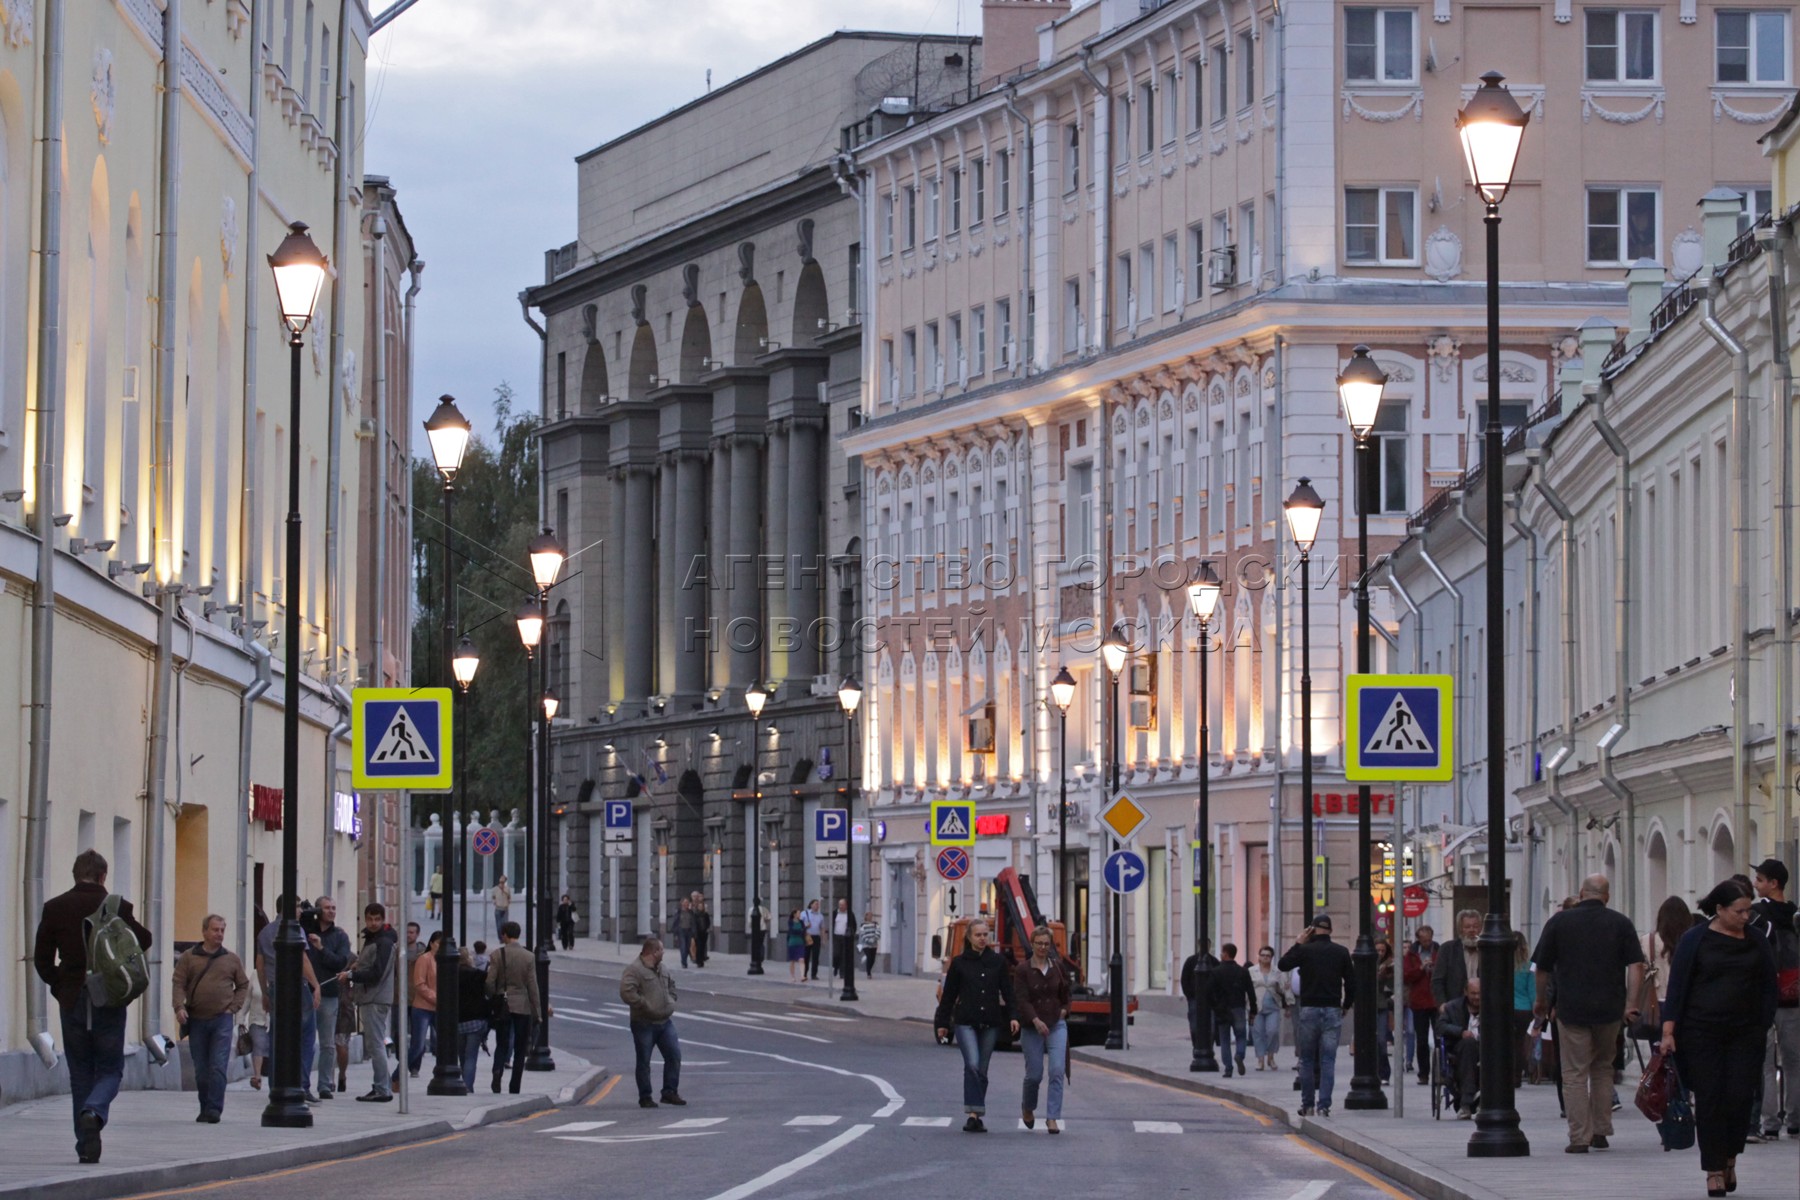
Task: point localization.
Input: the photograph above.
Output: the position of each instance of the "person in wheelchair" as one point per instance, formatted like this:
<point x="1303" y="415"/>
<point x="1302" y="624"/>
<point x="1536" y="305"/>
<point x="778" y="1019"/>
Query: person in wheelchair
<point x="1459" y="1033"/>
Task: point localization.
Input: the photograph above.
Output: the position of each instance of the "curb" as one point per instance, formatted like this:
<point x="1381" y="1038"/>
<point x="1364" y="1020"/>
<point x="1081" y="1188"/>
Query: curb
<point x="183" y="1175"/>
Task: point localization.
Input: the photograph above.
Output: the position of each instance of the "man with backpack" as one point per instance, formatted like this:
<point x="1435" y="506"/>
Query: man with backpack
<point x="1773" y="916"/>
<point x="90" y="950"/>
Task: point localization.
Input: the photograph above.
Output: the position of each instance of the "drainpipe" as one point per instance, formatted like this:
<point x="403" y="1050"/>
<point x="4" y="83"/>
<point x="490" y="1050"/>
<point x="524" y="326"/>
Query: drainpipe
<point x="250" y="539"/>
<point x="1102" y="177"/>
<point x="1621" y="725"/>
<point x="1553" y="768"/>
<point x="1456" y="655"/>
<point x="1026" y="228"/>
<point x="1779" y="242"/>
<point x="378" y="591"/>
<point x="1462" y="518"/>
<point x="415" y="269"/>
<point x="1277" y="877"/>
<point x="259" y="684"/>
<point x="1529" y="537"/>
<point x="43" y="592"/>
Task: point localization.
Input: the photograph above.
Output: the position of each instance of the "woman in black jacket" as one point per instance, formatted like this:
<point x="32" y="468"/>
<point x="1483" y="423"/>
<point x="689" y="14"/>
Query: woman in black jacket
<point x="976" y="1000"/>
<point x="1716" y="1019"/>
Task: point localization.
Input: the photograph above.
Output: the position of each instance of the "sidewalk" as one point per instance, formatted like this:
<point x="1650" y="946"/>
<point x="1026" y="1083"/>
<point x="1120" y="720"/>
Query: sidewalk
<point x="152" y="1141"/>
<point x="1429" y="1156"/>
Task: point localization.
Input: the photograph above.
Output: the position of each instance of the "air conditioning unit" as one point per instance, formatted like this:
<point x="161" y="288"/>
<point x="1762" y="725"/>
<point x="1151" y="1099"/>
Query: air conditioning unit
<point x="981" y="733"/>
<point x="825" y="685"/>
<point x="1221" y="268"/>
<point x="1143" y="712"/>
<point x="1009" y="354"/>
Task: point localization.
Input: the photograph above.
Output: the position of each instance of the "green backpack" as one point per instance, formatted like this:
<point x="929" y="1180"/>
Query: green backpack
<point x="117" y="971"/>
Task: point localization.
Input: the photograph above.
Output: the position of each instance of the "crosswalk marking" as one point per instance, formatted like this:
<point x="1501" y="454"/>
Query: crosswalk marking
<point x="1312" y="1191"/>
<point x="579" y="1127"/>
<point x="695" y="1122"/>
<point x="1156" y="1126"/>
<point x="822" y="1120"/>
<point x="927" y="1122"/>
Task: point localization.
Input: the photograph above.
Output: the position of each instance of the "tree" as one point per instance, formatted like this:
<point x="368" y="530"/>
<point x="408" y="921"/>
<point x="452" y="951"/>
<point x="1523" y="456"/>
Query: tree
<point x="495" y="516"/>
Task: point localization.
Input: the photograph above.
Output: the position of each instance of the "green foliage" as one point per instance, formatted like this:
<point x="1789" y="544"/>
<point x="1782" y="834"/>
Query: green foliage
<point x="495" y="515"/>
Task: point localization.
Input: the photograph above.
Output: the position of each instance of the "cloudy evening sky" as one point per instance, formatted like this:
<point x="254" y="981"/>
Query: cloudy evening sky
<point x="477" y="109"/>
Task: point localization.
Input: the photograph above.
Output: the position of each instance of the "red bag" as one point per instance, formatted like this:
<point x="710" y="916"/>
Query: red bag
<point x="1656" y="1087"/>
<point x="1787" y="986"/>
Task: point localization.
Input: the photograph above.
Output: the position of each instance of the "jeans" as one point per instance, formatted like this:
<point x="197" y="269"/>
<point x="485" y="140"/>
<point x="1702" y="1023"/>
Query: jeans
<point x="1783" y="1048"/>
<point x="420" y="1022"/>
<point x="1316" y="1038"/>
<point x="94" y="1045"/>
<point x="843" y="956"/>
<point x="209" y="1044"/>
<point x="1225" y="1025"/>
<point x="1265" y="1032"/>
<point x="326" y="1019"/>
<point x="661" y="1035"/>
<point x="500" y="920"/>
<point x="1056" y="1042"/>
<point x="1587" y="1079"/>
<point x="681" y="940"/>
<point x="868" y="957"/>
<point x="977" y="1046"/>
<point x="474" y="1035"/>
<point x="375" y="1034"/>
<point x="309" y="1036"/>
<point x="811" y="970"/>
<point x="512" y="1039"/>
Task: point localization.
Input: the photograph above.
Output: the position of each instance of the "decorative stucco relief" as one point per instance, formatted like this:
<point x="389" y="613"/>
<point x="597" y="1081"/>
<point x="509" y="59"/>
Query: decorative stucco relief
<point x="102" y="93"/>
<point x="1443" y="254"/>
<point x="1723" y="108"/>
<point x="1415" y="106"/>
<point x="1590" y="109"/>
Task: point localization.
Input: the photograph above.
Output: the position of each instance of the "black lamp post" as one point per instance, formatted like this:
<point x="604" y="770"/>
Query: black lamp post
<point x="1114" y="651"/>
<point x="463" y="668"/>
<point x="849" y="696"/>
<point x="1203" y="594"/>
<point x="1492" y="126"/>
<point x="299" y="270"/>
<point x="754" y="699"/>
<point x="1062" y="694"/>
<point x="448" y="432"/>
<point x="546" y="555"/>
<point x="1303" y="509"/>
<point x="1359" y="387"/>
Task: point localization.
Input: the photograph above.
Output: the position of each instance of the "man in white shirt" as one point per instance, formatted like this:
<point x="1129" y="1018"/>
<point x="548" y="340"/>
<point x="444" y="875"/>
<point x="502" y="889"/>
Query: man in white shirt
<point x="814" y="920"/>
<point x="843" y="941"/>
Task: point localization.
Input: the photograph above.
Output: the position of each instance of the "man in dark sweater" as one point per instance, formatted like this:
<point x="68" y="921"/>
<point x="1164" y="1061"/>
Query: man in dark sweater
<point x="1327" y="986"/>
<point x="1233" y="996"/>
<point x="93" y="1038"/>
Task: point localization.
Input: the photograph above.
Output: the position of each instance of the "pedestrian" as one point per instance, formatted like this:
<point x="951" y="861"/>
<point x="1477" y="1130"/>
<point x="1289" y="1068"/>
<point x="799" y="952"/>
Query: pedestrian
<point x="1384" y="1006"/>
<point x="1524" y="1000"/>
<point x="1773" y="916"/>
<point x="1198" y="1003"/>
<point x="1587" y="952"/>
<point x="757" y="924"/>
<point x="501" y="896"/>
<point x="481" y="956"/>
<point x="1721" y="1003"/>
<point x="471" y="1011"/>
<point x="254" y="1040"/>
<point x="649" y="991"/>
<point x="267" y="963"/>
<point x="346" y="1029"/>
<point x="422" y="1011"/>
<point x="796" y="945"/>
<point x="93" y="1028"/>
<point x="1327" y="986"/>
<point x="1458" y="962"/>
<point x="434" y="894"/>
<point x="1042" y="986"/>
<point x="1233" y="995"/>
<point x="1421" y="1007"/>
<point x="371" y="978"/>
<point x="512" y="973"/>
<point x="414" y="947"/>
<point x="209" y="991"/>
<point x="566" y="916"/>
<point x="868" y="940"/>
<point x="702" y="930"/>
<point x="815" y="938"/>
<point x="1459" y="1025"/>
<point x="976" y="1000"/>
<point x="682" y="930"/>
<point x="843" y="941"/>
<point x="1272" y="999"/>
<point x="328" y="948"/>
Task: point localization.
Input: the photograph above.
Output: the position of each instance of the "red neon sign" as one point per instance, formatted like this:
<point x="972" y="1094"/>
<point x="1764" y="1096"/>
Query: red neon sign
<point x="992" y="825"/>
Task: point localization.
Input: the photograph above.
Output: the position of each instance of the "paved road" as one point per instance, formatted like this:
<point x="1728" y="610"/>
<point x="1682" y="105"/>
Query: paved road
<point x="790" y="1102"/>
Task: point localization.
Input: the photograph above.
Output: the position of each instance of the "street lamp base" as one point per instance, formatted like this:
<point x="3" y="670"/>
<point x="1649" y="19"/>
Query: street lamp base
<point x="540" y="1060"/>
<point x="755" y="969"/>
<point x="285" y="1113"/>
<point x="848" y="995"/>
<point x="450" y="1086"/>
<point x="1365" y="1094"/>
<point x="1204" y="1061"/>
<point x="1497" y="1135"/>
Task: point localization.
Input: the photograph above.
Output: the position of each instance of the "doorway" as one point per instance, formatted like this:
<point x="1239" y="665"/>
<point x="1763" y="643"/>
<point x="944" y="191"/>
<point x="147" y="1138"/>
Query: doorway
<point x="901" y="939"/>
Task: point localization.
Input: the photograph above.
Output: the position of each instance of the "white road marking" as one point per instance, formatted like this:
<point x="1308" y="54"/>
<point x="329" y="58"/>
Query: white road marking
<point x="1313" y="1190"/>
<point x="710" y="1062"/>
<point x="927" y="1122"/>
<point x="805" y="1037"/>
<point x="894" y="1098"/>
<point x="564" y="1015"/>
<point x="696" y="1122"/>
<point x="578" y="1127"/>
<point x="621" y="1138"/>
<point x="815" y="1120"/>
<point x="1156" y="1126"/>
<point x="788" y="1169"/>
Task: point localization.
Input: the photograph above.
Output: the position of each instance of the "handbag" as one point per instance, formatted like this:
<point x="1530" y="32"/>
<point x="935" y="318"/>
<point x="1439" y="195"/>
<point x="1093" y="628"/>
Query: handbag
<point x="498" y="1013"/>
<point x="181" y="1033"/>
<point x="1648" y="1026"/>
<point x="1677" y="1125"/>
<point x="1657" y="1088"/>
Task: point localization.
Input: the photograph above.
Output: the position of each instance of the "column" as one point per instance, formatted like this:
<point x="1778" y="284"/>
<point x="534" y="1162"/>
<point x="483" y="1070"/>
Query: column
<point x="803" y="564"/>
<point x="668" y="577"/>
<point x="615" y="586"/>
<point x="638" y="576"/>
<point x="689" y="596"/>
<point x="718" y="566"/>
<point x="772" y="574"/>
<point x="744" y="631"/>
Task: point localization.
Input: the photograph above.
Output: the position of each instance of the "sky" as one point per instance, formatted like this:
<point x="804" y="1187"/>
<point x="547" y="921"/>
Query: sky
<point x="476" y="110"/>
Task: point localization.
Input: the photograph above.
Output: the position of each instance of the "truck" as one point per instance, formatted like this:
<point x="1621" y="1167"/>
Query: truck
<point x="1015" y="918"/>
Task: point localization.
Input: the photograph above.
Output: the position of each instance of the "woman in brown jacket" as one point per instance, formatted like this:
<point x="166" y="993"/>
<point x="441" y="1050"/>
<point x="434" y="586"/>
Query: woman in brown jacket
<point x="1041" y="985"/>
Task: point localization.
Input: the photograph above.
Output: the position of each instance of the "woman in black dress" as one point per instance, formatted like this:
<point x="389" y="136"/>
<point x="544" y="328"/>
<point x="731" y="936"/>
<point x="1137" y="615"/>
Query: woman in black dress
<point x="1720" y="1005"/>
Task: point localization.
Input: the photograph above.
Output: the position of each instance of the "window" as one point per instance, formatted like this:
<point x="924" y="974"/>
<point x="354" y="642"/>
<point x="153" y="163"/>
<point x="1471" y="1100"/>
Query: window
<point x="1756" y="203"/>
<point x="1124" y="295"/>
<point x="934" y="359"/>
<point x="1146" y="284"/>
<point x="1621" y="225"/>
<point x="890" y="383"/>
<point x="1002" y="183"/>
<point x="1072" y="316"/>
<point x="1196" y="268"/>
<point x="1030" y="333"/>
<point x="959" y="368"/>
<point x="1171" y="113"/>
<point x="1121" y="130"/>
<point x="909" y="362"/>
<point x="1246" y="54"/>
<point x="956" y="189"/>
<point x="1380" y="225"/>
<point x="978" y="340"/>
<point x="1221" y="92"/>
<point x="1196" y="94"/>
<point x="912" y="216"/>
<point x="856" y="281"/>
<point x="1146" y="118"/>
<point x="1248" y="252"/>
<point x="1390" y="457"/>
<point x="978" y="177"/>
<point x="931" y="209"/>
<point x="1171" y="268"/>
<point x="887" y="223"/>
<point x="1513" y="414"/>
<point x="1078" y="533"/>
<point x="1378" y="45"/>
<point x="1752" y="47"/>
<point x="1003" y="330"/>
<point x="1271" y="59"/>
<point x="1621" y="46"/>
<point x="1071" y="157"/>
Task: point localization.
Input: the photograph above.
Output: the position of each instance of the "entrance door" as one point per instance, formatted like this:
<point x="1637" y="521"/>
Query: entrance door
<point x="901" y="938"/>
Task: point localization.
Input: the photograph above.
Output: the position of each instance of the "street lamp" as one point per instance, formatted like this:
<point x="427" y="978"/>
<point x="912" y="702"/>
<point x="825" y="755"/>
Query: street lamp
<point x="463" y="666"/>
<point x="1113" y="652"/>
<point x="547" y="557"/>
<point x="551" y="704"/>
<point x="754" y="699"/>
<point x="1359" y="387"/>
<point x="1303" y="509"/>
<point x="1062" y="694"/>
<point x="299" y="270"/>
<point x="1203" y="595"/>
<point x="1492" y="126"/>
<point x="448" y="432"/>
<point x="849" y="696"/>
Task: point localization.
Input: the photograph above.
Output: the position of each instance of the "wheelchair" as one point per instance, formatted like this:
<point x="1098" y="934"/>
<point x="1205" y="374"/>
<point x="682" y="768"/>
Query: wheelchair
<point x="1443" y="1080"/>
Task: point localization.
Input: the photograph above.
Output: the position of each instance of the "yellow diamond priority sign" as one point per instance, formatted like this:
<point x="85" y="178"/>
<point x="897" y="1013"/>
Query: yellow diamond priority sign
<point x="1123" y="817"/>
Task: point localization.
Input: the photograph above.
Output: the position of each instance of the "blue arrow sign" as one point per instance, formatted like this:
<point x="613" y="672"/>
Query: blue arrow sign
<point x="831" y="825"/>
<point x="1124" y="871"/>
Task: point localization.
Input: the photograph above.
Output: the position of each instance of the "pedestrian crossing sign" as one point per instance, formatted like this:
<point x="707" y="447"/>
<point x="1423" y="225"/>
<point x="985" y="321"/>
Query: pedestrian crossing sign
<point x="400" y="739"/>
<point x="1401" y="729"/>
<point x="953" y="822"/>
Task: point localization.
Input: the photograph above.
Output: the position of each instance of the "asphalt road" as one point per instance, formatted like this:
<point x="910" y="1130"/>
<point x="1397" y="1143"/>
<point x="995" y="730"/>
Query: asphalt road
<point x="789" y="1102"/>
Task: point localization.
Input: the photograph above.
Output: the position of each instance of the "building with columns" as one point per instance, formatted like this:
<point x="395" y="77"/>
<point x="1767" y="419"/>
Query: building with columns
<point x="702" y="360"/>
<point x="1107" y="298"/>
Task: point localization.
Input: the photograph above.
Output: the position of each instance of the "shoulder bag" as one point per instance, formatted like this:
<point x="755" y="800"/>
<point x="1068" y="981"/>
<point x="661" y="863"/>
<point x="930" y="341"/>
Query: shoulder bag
<point x="498" y="1013"/>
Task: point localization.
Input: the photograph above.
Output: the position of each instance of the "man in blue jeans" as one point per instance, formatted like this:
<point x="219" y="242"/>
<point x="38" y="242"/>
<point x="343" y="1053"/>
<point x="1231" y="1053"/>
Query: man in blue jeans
<point x="649" y="991"/>
<point x="1327" y="985"/>
<point x="209" y="990"/>
<point x="309" y="998"/>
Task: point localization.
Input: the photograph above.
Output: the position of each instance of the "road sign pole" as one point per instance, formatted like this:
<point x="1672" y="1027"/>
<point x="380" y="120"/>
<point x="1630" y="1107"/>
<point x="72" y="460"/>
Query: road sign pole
<point x="1115" y="975"/>
<point x="1202" y="1030"/>
<point x="1365" y="1083"/>
<point x="447" y="1075"/>
<point x="850" y="922"/>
